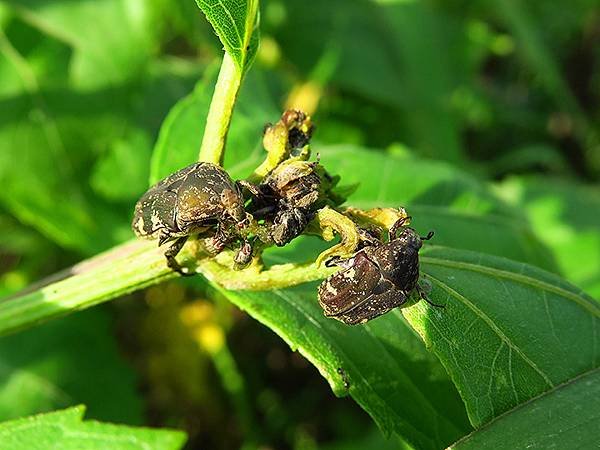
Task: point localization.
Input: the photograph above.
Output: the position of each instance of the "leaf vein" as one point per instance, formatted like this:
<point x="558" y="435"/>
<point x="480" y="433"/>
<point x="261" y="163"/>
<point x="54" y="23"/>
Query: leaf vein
<point x="493" y="327"/>
<point x="523" y="279"/>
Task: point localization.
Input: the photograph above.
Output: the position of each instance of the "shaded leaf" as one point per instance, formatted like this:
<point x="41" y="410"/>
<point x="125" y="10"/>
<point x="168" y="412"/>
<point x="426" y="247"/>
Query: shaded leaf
<point x="388" y="371"/>
<point x="114" y="48"/>
<point x="66" y="430"/>
<point x="64" y="363"/>
<point x="461" y="210"/>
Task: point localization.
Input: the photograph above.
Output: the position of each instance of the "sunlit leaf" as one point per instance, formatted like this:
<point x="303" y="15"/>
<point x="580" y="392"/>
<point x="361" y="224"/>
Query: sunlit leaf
<point x="235" y="22"/>
<point x="564" y="215"/>
<point x="66" y="430"/>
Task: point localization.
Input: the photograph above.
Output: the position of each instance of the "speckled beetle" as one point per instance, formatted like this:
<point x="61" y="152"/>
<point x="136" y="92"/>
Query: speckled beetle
<point x="376" y="279"/>
<point x="198" y="199"/>
<point x="289" y="197"/>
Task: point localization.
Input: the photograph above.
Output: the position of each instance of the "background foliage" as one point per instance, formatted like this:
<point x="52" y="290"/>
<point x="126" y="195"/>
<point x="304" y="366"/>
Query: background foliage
<point x="480" y="117"/>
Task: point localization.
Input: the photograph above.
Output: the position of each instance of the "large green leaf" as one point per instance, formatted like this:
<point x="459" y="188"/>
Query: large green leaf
<point x="386" y="368"/>
<point x="65" y="430"/>
<point x="236" y="24"/>
<point x="565" y="417"/>
<point x="500" y="321"/>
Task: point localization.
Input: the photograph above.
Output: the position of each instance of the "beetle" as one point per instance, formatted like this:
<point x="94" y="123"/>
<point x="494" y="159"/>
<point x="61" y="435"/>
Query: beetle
<point x="377" y="279"/>
<point x="289" y="196"/>
<point x="198" y="199"/>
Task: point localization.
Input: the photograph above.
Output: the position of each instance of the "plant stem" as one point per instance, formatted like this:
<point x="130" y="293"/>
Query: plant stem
<point x="220" y="112"/>
<point x="133" y="266"/>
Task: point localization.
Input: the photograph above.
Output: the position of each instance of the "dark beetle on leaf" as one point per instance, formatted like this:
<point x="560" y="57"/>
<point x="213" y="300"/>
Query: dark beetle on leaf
<point x="377" y="279"/>
<point x="198" y="199"/>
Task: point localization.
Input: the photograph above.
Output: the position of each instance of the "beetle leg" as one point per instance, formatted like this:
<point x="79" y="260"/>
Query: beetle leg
<point x="387" y="218"/>
<point x="163" y="237"/>
<point x="172" y="251"/>
<point x="336" y="261"/>
<point x="423" y="295"/>
<point x="429" y="236"/>
<point x="250" y="187"/>
<point x="398" y="225"/>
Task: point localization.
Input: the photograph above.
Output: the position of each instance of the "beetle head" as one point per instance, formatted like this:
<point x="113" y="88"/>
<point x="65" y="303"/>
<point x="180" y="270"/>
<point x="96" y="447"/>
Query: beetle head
<point x="407" y="237"/>
<point x="233" y="205"/>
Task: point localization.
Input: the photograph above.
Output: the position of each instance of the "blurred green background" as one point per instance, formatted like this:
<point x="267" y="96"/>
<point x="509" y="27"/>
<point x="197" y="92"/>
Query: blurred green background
<point x="506" y="90"/>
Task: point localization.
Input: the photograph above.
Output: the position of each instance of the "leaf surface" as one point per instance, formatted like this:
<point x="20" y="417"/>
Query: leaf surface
<point x="565" y="417"/>
<point x="66" y="430"/>
<point x="66" y="362"/>
<point x="235" y="22"/>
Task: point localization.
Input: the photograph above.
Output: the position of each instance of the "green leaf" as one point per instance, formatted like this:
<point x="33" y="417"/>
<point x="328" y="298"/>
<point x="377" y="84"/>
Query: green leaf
<point x="387" y="368"/>
<point x="66" y="430"/>
<point x="64" y="363"/>
<point x="493" y="336"/>
<point x="565" y="417"/>
<point x="500" y="320"/>
<point x="564" y="214"/>
<point x="236" y="24"/>
<point x="461" y="210"/>
<point x="129" y="159"/>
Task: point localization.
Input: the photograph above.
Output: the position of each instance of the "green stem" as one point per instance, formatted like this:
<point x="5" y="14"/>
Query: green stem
<point x="220" y="112"/>
<point x="130" y="267"/>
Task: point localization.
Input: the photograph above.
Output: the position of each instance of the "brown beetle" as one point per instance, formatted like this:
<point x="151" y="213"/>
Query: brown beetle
<point x="377" y="279"/>
<point x="198" y="199"/>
